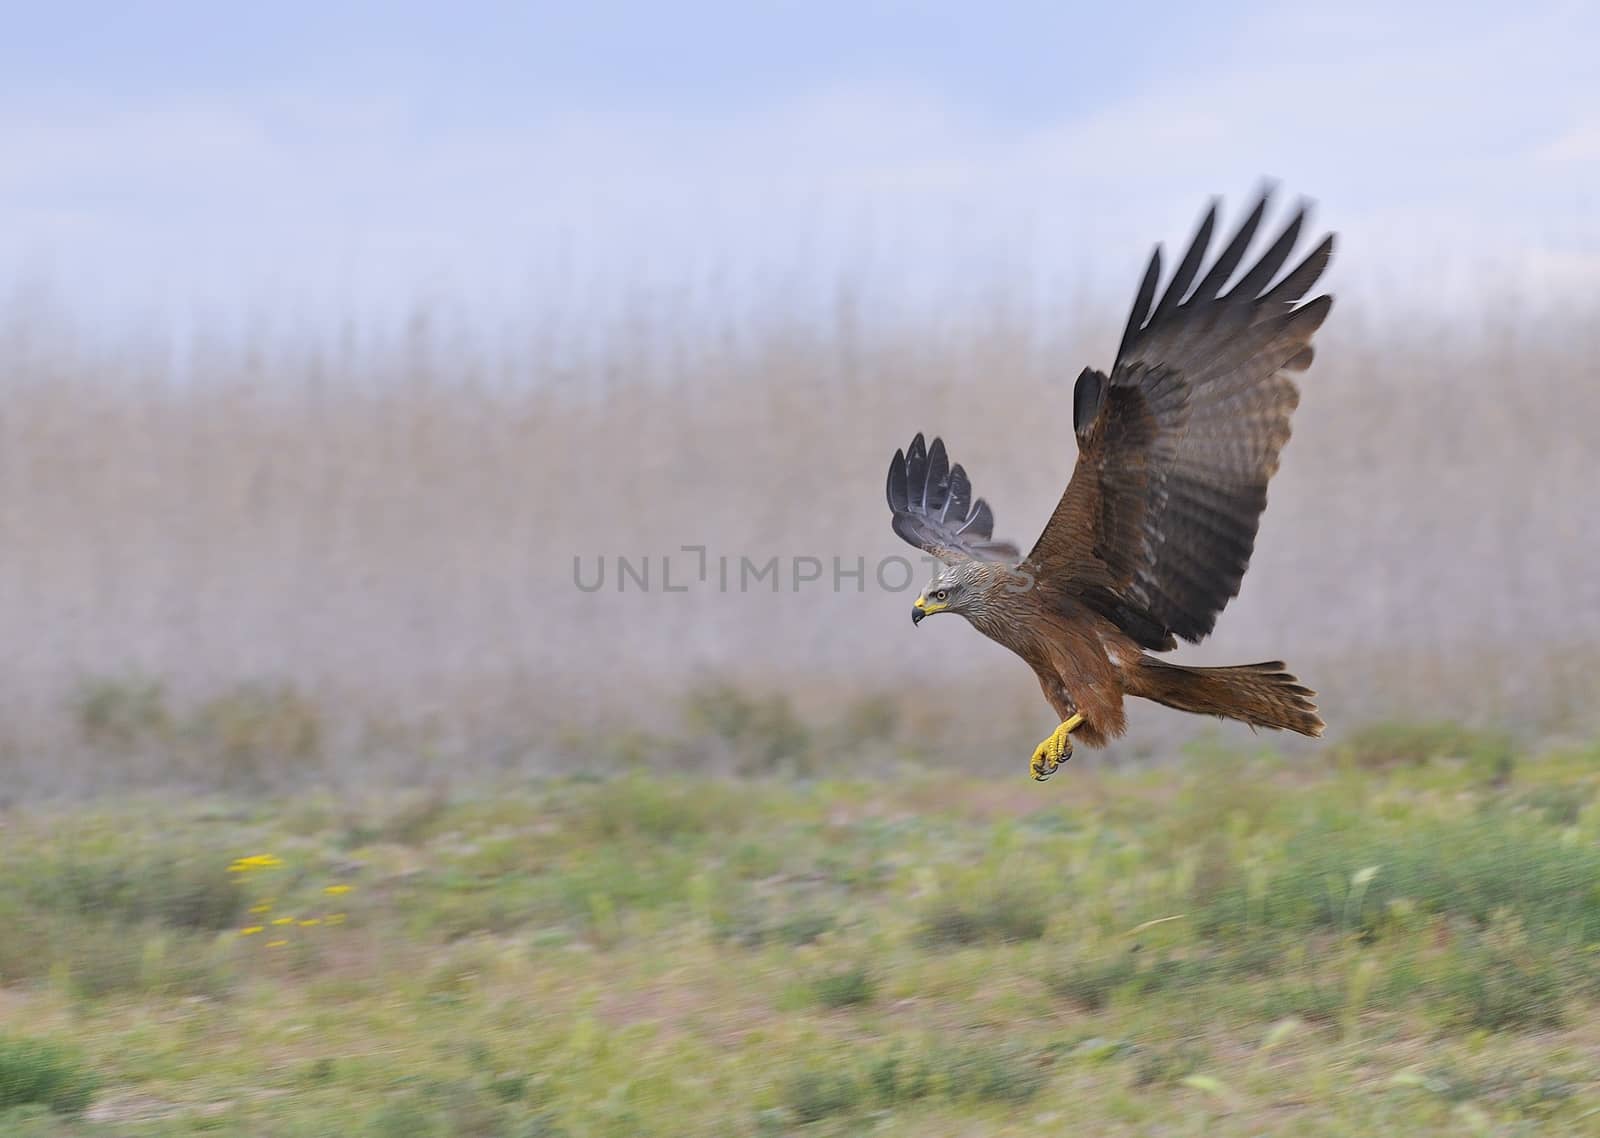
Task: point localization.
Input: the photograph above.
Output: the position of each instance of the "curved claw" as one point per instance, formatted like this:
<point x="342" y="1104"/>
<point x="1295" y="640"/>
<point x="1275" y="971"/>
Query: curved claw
<point x="1042" y="766"/>
<point x="1049" y="755"/>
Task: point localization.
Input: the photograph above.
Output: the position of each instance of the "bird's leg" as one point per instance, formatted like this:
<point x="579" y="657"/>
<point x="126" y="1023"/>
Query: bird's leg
<point x="1054" y="751"/>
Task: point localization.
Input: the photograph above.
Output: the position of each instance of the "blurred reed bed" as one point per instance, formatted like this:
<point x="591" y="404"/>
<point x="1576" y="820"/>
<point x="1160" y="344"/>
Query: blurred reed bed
<point x="380" y="523"/>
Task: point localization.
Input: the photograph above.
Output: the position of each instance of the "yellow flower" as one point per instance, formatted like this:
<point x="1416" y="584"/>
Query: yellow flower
<point x="284" y="921"/>
<point x="309" y="921"/>
<point x="276" y="943"/>
<point x="264" y="907"/>
<point x="336" y="918"/>
<point x="336" y="890"/>
<point x="251" y="931"/>
<point x="255" y="861"/>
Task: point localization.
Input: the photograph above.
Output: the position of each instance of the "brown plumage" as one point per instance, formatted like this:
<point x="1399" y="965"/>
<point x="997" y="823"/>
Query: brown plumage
<point x="1154" y="532"/>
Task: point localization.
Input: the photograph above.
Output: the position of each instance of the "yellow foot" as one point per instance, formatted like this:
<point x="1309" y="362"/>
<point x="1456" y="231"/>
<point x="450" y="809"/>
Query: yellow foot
<point x="1054" y="751"/>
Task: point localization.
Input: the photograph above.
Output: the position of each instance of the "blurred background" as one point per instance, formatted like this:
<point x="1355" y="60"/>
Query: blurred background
<point x="339" y="345"/>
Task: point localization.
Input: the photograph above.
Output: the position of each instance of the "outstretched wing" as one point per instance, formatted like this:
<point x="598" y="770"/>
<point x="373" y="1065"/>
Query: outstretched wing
<point x="1176" y="446"/>
<point x="934" y="509"/>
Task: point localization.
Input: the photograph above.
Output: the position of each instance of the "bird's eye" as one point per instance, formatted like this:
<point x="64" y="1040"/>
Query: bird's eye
<point x="940" y="594"/>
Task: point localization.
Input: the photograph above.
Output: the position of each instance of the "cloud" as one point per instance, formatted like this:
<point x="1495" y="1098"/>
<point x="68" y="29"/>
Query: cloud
<point x="1579" y="144"/>
<point x="1413" y="154"/>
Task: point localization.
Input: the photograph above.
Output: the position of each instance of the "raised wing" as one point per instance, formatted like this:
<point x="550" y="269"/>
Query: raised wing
<point x="1176" y="446"/>
<point x="934" y="509"/>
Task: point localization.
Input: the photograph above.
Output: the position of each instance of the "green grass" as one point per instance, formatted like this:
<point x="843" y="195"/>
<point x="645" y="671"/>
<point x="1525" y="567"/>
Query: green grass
<point x="1003" y="917"/>
<point x="843" y="988"/>
<point x="38" y="1073"/>
<point x="1239" y="946"/>
<point x="1384" y="744"/>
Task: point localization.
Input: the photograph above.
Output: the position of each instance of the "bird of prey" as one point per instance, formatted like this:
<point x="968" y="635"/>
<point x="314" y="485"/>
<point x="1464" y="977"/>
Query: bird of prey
<point x="1155" y="529"/>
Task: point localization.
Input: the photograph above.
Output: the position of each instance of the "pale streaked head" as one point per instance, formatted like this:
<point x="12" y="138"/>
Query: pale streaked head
<point x="955" y="588"/>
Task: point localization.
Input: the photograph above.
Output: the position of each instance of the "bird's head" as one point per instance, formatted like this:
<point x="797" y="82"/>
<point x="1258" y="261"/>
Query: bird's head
<point x="955" y="588"/>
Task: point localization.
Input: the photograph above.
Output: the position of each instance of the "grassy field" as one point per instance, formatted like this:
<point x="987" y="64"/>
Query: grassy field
<point x="1397" y="937"/>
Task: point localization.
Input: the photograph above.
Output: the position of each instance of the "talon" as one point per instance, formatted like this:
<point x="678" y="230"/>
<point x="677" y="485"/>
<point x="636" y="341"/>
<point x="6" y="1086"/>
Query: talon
<point x="1057" y="749"/>
<point x="1042" y="766"/>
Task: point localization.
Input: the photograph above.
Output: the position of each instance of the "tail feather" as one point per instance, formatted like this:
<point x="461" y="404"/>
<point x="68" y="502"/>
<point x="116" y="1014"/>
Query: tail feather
<point x="1262" y="695"/>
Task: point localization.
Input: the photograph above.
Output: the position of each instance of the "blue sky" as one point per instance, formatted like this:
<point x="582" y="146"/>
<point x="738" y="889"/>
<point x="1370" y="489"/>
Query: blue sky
<point x="353" y="156"/>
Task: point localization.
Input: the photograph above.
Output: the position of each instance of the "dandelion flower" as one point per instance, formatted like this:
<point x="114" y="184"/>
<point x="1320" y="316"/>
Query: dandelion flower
<point x="336" y="890"/>
<point x="276" y="943"/>
<point x="255" y="861"/>
<point x="310" y="921"/>
<point x="284" y="921"/>
<point x="264" y="907"/>
<point x="252" y="930"/>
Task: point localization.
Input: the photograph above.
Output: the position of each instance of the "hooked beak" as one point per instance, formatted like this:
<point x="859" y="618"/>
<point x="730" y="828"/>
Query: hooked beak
<point x="922" y="607"/>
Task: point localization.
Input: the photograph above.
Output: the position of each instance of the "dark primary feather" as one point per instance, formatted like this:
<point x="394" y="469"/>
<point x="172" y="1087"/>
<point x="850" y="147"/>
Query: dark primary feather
<point x="1087" y="397"/>
<point x="1228" y="260"/>
<point x="934" y="510"/>
<point x="1176" y="446"/>
<point x="1184" y="277"/>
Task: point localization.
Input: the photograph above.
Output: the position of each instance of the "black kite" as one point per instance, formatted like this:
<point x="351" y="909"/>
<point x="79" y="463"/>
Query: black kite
<point x="1154" y="532"/>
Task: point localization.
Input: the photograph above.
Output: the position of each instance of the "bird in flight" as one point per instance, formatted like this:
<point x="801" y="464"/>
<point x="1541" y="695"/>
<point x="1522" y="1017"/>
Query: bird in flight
<point x="1151" y="537"/>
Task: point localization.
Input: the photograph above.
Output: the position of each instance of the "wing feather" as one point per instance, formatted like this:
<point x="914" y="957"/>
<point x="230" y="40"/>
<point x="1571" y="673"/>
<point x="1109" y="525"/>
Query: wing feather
<point x="1272" y="260"/>
<point x="1302" y="276"/>
<point x="1176" y="446"/>
<point x="932" y="508"/>
<point x="1184" y="277"/>
<point x="1228" y="260"/>
<point x="1141" y="303"/>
